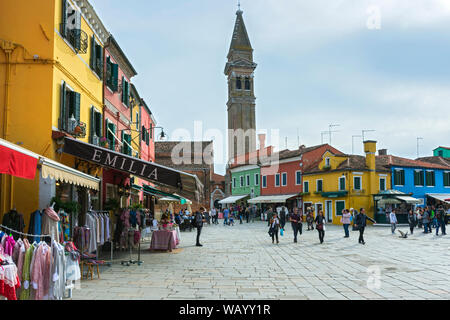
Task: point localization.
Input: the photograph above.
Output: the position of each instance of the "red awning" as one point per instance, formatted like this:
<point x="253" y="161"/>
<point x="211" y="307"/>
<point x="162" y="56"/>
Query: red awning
<point x="17" y="161"/>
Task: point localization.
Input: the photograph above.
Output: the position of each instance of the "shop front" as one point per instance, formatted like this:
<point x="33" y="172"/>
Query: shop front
<point x="290" y="201"/>
<point x="389" y="200"/>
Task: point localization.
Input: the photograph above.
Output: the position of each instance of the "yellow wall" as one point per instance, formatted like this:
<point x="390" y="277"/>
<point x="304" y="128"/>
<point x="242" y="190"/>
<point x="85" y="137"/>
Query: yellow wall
<point x="35" y="85"/>
<point x="354" y="199"/>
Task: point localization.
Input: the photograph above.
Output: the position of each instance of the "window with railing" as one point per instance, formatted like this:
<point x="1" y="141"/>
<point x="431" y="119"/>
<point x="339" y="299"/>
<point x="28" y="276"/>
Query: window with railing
<point x="70" y="28"/>
<point x="69" y="117"/>
<point x="96" y="62"/>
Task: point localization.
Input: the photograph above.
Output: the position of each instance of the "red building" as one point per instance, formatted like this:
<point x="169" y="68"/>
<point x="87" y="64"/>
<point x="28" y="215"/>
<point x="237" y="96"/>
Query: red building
<point x="283" y="176"/>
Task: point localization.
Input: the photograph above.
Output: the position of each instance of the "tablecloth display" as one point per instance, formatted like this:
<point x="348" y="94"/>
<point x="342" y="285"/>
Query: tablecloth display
<point x="164" y="240"/>
<point x="9" y="281"/>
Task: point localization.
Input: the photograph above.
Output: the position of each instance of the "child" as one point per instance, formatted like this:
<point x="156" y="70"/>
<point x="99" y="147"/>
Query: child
<point x="231" y="219"/>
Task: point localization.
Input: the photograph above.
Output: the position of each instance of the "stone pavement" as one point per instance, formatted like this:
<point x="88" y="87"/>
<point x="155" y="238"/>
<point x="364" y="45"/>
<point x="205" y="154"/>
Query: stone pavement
<point x="240" y="262"/>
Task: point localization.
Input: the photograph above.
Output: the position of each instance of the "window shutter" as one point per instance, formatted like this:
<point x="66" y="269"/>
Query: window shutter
<point x="78" y="33"/>
<point x="99" y="64"/>
<point x="115" y="76"/>
<point x="63" y="113"/>
<point x="63" y="17"/>
<point x="92" y="125"/>
<point x="143" y="134"/>
<point x="76" y="102"/>
<point x="123" y="89"/>
<point x="151" y="130"/>
<point x="113" y="138"/>
<point x="99" y="125"/>
<point x="129" y="148"/>
<point x="123" y="144"/>
<point x="93" y="54"/>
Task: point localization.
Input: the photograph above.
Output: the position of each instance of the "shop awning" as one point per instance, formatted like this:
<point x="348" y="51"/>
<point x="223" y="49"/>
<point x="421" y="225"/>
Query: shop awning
<point x="444" y="197"/>
<point x="408" y="199"/>
<point x="177" y="181"/>
<point x="58" y="171"/>
<point x="167" y="197"/>
<point x="335" y="194"/>
<point x="281" y="198"/>
<point x="388" y="201"/>
<point x="232" y="199"/>
<point x="17" y="161"/>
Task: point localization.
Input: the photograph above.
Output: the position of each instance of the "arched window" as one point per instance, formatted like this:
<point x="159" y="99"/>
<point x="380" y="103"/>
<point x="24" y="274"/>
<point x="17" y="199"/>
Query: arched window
<point x="247" y="83"/>
<point x="238" y="83"/>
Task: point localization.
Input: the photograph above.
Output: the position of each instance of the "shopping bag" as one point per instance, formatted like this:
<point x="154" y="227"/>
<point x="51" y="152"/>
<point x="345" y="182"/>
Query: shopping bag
<point x="281" y="232"/>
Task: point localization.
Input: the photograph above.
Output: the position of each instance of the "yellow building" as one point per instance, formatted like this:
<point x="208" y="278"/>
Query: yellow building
<point x="51" y="71"/>
<point x="337" y="182"/>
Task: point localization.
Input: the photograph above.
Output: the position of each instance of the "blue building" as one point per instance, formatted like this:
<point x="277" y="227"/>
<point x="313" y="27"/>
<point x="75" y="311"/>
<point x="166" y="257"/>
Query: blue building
<point x="426" y="181"/>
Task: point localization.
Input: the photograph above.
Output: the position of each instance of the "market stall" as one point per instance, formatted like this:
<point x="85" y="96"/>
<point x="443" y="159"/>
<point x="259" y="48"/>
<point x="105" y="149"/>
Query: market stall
<point x="388" y="200"/>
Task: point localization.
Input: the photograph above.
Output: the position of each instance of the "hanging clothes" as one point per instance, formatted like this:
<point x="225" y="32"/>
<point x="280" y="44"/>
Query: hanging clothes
<point x="50" y="221"/>
<point x="91" y="223"/>
<point x="26" y="276"/>
<point x="58" y="272"/>
<point x="35" y="225"/>
<point x="9" y="279"/>
<point x="65" y="226"/>
<point x="14" y="220"/>
<point x="40" y="273"/>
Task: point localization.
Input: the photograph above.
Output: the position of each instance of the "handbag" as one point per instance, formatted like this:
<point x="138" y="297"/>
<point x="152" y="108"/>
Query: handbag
<point x="319" y="227"/>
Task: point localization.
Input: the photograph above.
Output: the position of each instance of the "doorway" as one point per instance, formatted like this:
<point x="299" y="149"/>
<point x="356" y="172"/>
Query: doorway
<point x="329" y="210"/>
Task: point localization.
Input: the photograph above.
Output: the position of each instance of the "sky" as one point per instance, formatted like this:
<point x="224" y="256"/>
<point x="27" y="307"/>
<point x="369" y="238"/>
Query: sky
<point x="380" y="65"/>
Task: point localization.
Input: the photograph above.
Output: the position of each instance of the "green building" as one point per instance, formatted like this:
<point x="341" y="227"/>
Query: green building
<point x="245" y="180"/>
<point x="442" y="152"/>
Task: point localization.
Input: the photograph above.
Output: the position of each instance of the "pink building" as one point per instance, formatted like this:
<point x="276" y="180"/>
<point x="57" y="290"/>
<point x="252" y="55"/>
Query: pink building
<point x="118" y="72"/>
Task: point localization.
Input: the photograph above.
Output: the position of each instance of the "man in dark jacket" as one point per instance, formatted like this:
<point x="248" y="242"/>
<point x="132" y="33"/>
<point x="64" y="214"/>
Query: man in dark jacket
<point x="360" y="224"/>
<point x="440" y="217"/>
<point x="296" y="223"/>
<point x="198" y="220"/>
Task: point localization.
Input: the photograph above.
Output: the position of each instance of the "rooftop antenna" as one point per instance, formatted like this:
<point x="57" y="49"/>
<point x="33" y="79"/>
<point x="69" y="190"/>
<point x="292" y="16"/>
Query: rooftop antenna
<point x="239" y="5"/>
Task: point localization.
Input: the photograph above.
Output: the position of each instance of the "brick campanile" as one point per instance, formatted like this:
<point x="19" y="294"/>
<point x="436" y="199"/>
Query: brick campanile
<point x="241" y="95"/>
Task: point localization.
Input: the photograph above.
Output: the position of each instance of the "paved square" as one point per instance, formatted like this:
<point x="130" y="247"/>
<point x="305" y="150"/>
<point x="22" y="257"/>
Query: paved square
<point x="240" y="262"/>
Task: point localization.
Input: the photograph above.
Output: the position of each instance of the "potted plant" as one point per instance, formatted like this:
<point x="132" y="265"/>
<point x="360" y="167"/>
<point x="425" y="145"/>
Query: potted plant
<point x="104" y="142"/>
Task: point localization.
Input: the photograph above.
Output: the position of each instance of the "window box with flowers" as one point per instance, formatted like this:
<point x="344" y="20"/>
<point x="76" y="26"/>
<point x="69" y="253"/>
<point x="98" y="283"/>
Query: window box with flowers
<point x="104" y="142"/>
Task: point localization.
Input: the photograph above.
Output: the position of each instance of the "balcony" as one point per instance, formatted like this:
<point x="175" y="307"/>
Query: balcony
<point x="76" y="128"/>
<point x="77" y="38"/>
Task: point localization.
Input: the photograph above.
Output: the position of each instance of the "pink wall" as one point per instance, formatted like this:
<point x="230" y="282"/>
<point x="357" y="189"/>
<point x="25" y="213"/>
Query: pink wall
<point x="148" y="152"/>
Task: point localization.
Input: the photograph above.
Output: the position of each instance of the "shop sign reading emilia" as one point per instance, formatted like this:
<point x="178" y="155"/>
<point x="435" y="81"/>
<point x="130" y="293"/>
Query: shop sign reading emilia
<point x="121" y="162"/>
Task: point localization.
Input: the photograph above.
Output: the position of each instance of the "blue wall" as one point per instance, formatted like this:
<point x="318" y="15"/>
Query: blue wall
<point x="419" y="192"/>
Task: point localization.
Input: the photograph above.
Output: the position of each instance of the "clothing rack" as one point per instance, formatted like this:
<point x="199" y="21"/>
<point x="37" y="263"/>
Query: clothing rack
<point x="26" y="234"/>
<point x="131" y="261"/>
<point x="110" y="236"/>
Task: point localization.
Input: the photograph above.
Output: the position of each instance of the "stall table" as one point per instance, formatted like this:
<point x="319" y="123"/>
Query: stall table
<point x="164" y="240"/>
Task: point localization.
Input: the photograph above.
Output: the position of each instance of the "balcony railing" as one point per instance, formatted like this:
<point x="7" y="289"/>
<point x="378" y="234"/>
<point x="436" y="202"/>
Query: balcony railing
<point x="78" y="129"/>
<point x="77" y="38"/>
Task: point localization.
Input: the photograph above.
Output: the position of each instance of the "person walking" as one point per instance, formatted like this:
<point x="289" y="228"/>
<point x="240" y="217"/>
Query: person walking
<point x="360" y="224"/>
<point x="310" y="219"/>
<point x="320" y="225"/>
<point x="393" y="220"/>
<point x="199" y="219"/>
<point x="440" y="220"/>
<point x="213" y="215"/>
<point x="269" y="215"/>
<point x="412" y="221"/>
<point x="346" y="222"/>
<point x="226" y="212"/>
<point x="433" y="219"/>
<point x="426" y="221"/>
<point x="274" y="227"/>
<point x="296" y="223"/>
<point x="419" y="213"/>
<point x="283" y="217"/>
<point x="241" y="212"/>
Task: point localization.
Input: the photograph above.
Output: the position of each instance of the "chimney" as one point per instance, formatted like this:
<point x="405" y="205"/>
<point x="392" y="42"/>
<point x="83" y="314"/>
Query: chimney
<point x="262" y="141"/>
<point x="382" y="152"/>
<point x="370" y="148"/>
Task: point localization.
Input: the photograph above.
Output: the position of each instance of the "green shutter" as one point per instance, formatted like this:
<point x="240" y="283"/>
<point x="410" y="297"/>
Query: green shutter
<point x="93" y="54"/>
<point x="100" y="68"/>
<point x="129" y="148"/>
<point x="113" y="139"/>
<point x="339" y="207"/>
<point x="98" y="124"/>
<point x="92" y="125"/>
<point x="63" y="17"/>
<point x="123" y="89"/>
<point x="63" y="111"/>
<point x="76" y="105"/>
<point x="115" y="76"/>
